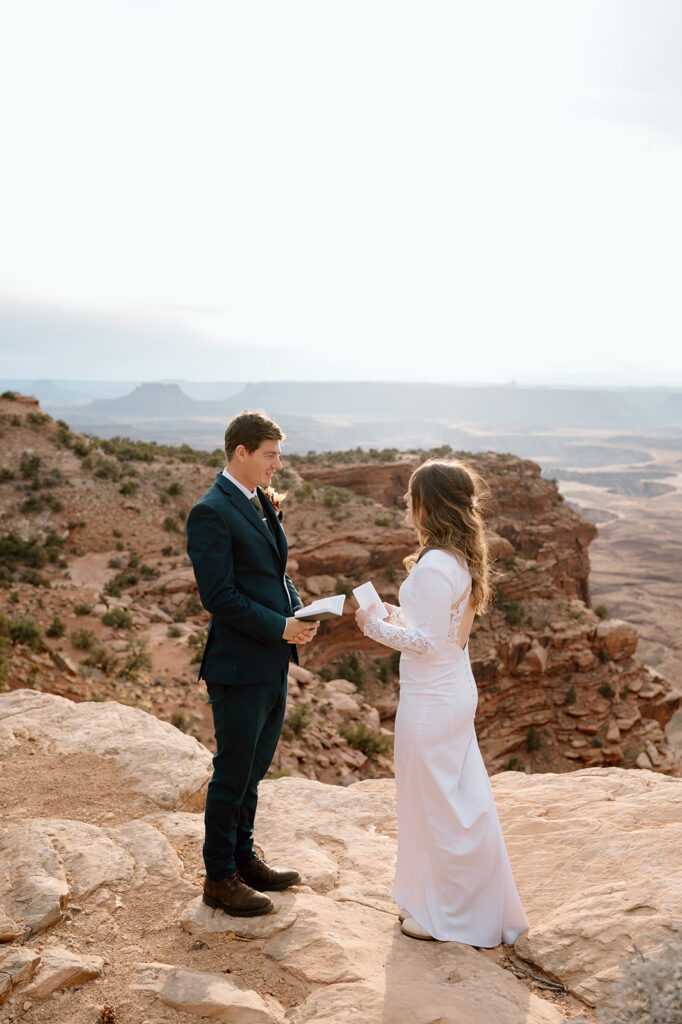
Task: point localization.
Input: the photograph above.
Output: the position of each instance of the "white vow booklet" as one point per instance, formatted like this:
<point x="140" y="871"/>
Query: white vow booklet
<point x="325" y="608"/>
<point x="366" y="596"/>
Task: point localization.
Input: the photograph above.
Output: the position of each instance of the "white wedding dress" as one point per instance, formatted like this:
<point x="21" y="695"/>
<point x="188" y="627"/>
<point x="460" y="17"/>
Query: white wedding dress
<point x="453" y="874"/>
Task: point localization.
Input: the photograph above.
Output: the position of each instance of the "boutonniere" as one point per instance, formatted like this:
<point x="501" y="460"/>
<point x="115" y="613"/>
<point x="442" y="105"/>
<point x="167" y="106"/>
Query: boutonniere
<point x="275" y="498"/>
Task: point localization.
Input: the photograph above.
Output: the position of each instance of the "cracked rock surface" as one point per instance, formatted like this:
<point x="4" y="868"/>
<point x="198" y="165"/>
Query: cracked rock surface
<point x="108" y="911"/>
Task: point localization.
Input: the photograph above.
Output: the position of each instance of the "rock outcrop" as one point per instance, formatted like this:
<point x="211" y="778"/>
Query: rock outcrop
<point x="594" y="854"/>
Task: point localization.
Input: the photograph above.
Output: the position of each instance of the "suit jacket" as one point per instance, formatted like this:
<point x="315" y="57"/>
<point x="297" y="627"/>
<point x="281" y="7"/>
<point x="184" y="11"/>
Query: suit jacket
<point x="240" y="569"/>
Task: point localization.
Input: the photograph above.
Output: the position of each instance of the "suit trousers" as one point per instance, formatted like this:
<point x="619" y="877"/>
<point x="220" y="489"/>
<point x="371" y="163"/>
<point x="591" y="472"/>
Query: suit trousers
<point x="247" y="720"/>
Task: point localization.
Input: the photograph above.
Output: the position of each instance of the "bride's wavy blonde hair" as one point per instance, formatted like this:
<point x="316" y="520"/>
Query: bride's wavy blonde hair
<point x="446" y="511"/>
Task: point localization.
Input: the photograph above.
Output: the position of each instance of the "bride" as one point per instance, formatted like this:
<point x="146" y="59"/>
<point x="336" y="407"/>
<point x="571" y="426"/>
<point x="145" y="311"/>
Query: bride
<point x="453" y="877"/>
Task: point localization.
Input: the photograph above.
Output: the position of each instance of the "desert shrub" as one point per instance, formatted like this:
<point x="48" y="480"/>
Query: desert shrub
<point x="335" y="496"/>
<point x="601" y="611"/>
<point x="82" y="609"/>
<point x="179" y="721"/>
<point x="174" y="632"/>
<point x="119" y="618"/>
<point x="12" y="395"/>
<point x="394" y="659"/>
<point x="596" y="742"/>
<point x="383" y="670"/>
<point x="167" y="550"/>
<point x="516" y="765"/>
<point x="127" y="487"/>
<point x="106" y="469"/>
<point x="533" y="739"/>
<point x="175" y="488"/>
<point x="40" y="502"/>
<point x="198" y="642"/>
<point x="383" y="520"/>
<point x="193" y="605"/>
<point x="606" y="690"/>
<point x="25" y="631"/>
<point x="299" y="718"/>
<point x="570" y="695"/>
<point x="6" y="475"/>
<point x="29" y="467"/>
<point x="56" y="628"/>
<point x="351" y="669"/>
<point x="137" y="659"/>
<point x="648" y="991"/>
<point x="605" y="657"/>
<point x="170" y="524"/>
<point x="83" y="639"/>
<point x="513" y="612"/>
<point x="102" y="658"/>
<point x="362" y="738"/>
<point x="34" y="578"/>
<point x="37" y="419"/>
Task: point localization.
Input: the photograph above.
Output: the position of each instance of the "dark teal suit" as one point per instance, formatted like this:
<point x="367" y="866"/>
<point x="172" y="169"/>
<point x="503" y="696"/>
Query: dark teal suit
<point x="240" y="568"/>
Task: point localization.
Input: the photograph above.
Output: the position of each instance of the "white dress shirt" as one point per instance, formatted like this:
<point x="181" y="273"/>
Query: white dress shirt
<point x="249" y="494"/>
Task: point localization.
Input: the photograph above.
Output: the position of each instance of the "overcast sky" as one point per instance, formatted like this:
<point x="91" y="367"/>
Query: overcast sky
<point x="263" y="190"/>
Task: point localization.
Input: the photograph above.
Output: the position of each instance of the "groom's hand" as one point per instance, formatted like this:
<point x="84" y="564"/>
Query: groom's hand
<point x="297" y="632"/>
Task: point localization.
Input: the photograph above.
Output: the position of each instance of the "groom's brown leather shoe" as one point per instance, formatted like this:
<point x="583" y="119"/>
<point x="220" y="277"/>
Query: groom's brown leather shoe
<point x="262" y="877"/>
<point x="235" y="898"/>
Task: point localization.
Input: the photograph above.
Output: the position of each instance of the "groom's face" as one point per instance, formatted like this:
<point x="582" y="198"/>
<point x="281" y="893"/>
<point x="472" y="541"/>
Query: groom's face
<point x="255" y="469"/>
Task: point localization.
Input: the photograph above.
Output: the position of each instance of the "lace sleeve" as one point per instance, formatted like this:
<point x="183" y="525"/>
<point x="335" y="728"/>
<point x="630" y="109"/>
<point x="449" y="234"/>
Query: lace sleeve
<point x="428" y="629"/>
<point x="410" y="641"/>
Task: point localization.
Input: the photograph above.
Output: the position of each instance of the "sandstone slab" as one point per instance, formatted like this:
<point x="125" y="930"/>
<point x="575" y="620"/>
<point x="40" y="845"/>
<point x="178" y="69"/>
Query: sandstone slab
<point x="206" y="995"/>
<point x="201" y="920"/>
<point x="595" y="856"/>
<point x="17" y="964"/>
<point x="60" y="968"/>
<point x="166" y="767"/>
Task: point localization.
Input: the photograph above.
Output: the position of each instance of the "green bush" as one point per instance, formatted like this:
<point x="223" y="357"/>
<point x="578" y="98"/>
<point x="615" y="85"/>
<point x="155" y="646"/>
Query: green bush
<point x="82" y="609"/>
<point x="350" y="669"/>
<point x="533" y="739"/>
<point x="174" y="632"/>
<point x="516" y="765"/>
<point x="137" y="659"/>
<point x="128" y="487"/>
<point x="119" y="618"/>
<point x="570" y="695"/>
<point x="175" y="488"/>
<point x="362" y="738"/>
<point x="83" y="639"/>
<point x="299" y="718"/>
<point x="170" y="524"/>
<point x="383" y="520"/>
<point x="601" y="611"/>
<point x="25" y="631"/>
<point x="606" y="690"/>
<point x="56" y="628"/>
<point x="102" y="658"/>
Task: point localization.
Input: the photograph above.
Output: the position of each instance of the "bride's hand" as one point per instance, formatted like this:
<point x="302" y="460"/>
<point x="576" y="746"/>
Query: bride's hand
<point x="362" y="614"/>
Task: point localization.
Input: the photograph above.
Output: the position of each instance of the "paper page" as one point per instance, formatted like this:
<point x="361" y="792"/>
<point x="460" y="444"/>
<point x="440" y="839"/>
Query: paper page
<point x="325" y="606"/>
<point x="366" y="596"/>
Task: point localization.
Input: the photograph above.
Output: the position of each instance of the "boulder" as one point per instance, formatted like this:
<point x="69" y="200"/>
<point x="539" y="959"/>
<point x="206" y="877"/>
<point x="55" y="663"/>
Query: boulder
<point x="617" y="639"/>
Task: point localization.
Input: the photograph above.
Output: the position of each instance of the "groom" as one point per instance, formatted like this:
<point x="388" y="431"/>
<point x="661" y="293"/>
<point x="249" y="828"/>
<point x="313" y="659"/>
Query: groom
<point x="239" y="553"/>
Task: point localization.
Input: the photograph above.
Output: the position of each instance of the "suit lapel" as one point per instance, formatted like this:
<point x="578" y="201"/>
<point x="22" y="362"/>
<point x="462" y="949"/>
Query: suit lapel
<point x="276" y="527"/>
<point x="243" y="505"/>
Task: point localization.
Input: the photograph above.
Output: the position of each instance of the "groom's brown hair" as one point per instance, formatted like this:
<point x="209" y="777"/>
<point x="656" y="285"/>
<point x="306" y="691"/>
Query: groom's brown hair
<point x="250" y="429"/>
